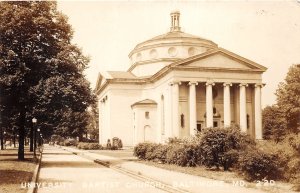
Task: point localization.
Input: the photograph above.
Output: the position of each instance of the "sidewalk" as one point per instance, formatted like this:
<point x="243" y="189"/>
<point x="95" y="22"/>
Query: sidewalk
<point x="64" y="172"/>
<point x="186" y="182"/>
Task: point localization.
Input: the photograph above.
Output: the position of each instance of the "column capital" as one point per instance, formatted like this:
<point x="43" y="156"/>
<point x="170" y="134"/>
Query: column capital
<point x="259" y="85"/>
<point x="174" y="82"/>
<point x="193" y="83"/>
<point x="227" y="84"/>
<point x="210" y="83"/>
<point x="243" y="84"/>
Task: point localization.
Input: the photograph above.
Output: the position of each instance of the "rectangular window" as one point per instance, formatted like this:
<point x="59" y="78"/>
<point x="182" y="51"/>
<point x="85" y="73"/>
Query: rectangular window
<point x="215" y="123"/>
<point x="199" y="127"/>
<point x="147" y="115"/>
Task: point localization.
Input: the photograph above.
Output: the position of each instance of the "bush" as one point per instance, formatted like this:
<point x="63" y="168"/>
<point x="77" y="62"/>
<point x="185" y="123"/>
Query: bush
<point x="220" y="146"/>
<point x="116" y="143"/>
<point x="141" y="149"/>
<point x="182" y="155"/>
<point x="257" y="165"/>
<point x="70" y="142"/>
<point x="89" y="146"/>
<point x="159" y="153"/>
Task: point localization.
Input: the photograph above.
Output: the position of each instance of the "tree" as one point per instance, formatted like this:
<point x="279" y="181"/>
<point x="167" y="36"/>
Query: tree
<point x="93" y="127"/>
<point x="36" y="50"/>
<point x="274" y="123"/>
<point x="288" y="98"/>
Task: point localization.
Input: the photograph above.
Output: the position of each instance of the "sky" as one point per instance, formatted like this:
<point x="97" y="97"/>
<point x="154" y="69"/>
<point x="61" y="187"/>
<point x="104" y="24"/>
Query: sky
<point x="265" y="32"/>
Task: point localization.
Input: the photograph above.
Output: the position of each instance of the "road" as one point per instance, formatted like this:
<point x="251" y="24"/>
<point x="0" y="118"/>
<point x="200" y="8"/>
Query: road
<point x="63" y="172"/>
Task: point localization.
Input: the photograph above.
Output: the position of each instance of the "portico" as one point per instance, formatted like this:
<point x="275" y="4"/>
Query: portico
<point x="225" y="120"/>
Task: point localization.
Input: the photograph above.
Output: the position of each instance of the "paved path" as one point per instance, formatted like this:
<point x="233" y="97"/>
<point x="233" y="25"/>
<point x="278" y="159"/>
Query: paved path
<point x="63" y="172"/>
<point x="186" y="182"/>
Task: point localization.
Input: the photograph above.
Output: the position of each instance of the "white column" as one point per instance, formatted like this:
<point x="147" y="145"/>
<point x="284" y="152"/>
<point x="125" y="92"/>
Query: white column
<point x="209" y="105"/>
<point x="193" y="109"/>
<point x="100" y="121"/>
<point x="227" y="112"/>
<point x="258" y="114"/>
<point x="175" y="109"/>
<point x="243" y="111"/>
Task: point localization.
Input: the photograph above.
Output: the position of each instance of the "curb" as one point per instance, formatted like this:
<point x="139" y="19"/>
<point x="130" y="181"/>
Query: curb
<point x="35" y="176"/>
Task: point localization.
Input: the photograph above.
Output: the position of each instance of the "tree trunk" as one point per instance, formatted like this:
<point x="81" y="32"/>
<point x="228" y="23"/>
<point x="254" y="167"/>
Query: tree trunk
<point x="31" y="138"/>
<point x="1" y="138"/>
<point x="21" y="132"/>
<point x="14" y="138"/>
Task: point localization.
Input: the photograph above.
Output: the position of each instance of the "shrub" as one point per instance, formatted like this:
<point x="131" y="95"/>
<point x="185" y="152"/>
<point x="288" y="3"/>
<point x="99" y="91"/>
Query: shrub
<point x="257" y="165"/>
<point x="171" y="156"/>
<point x="116" y="143"/>
<point x="219" y="146"/>
<point x="89" y="146"/>
<point x="141" y="149"/>
<point x="149" y="151"/>
<point x="182" y="155"/>
<point x="70" y="142"/>
<point x="159" y="153"/>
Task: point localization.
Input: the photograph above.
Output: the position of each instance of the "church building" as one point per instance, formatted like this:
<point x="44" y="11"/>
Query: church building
<point x="177" y="85"/>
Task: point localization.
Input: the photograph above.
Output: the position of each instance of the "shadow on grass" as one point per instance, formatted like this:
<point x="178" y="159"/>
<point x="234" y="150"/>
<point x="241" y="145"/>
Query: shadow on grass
<point x="68" y="164"/>
<point x="31" y="160"/>
<point x="14" y="154"/>
<point x="57" y="153"/>
<point x="14" y="176"/>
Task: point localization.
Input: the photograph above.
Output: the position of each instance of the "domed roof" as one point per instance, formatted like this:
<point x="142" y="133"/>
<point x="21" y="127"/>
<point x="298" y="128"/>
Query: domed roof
<point x="175" y="36"/>
<point x="179" y="36"/>
<point x="152" y="55"/>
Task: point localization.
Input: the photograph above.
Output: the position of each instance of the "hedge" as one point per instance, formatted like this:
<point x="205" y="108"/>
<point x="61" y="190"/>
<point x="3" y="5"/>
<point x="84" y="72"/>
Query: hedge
<point x="89" y="146"/>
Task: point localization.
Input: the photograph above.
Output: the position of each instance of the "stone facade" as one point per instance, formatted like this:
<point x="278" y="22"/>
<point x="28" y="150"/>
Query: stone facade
<point x="177" y="84"/>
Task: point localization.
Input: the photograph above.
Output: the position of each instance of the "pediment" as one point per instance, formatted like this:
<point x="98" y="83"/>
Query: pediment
<point x="220" y="59"/>
<point x="99" y="82"/>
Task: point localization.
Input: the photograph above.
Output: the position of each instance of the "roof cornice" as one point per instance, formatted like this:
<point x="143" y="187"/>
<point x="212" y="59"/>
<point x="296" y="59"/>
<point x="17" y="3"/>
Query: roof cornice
<point x="181" y="66"/>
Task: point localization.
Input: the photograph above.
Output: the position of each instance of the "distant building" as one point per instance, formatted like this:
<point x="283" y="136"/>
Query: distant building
<point x="177" y="84"/>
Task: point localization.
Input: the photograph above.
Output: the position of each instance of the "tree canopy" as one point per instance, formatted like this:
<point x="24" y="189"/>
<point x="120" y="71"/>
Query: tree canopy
<point x="288" y="98"/>
<point x="41" y="71"/>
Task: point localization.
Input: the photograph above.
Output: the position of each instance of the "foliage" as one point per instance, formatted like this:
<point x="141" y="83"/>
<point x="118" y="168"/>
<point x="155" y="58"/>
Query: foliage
<point x="70" y="142"/>
<point x="93" y="126"/>
<point x="274" y="123"/>
<point x="141" y="149"/>
<point x="117" y="143"/>
<point x="160" y="153"/>
<point x="89" y="146"/>
<point x="56" y="138"/>
<point x="218" y="145"/>
<point x="182" y="155"/>
<point x="258" y="165"/>
<point x="288" y="98"/>
<point x="41" y="72"/>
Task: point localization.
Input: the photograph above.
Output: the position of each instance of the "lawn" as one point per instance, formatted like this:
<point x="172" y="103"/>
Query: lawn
<point x="226" y="176"/>
<point x="13" y="172"/>
<point x="126" y="154"/>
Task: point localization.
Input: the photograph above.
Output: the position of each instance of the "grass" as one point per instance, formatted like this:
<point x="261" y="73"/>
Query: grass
<point x="13" y="172"/>
<point x="122" y="154"/>
<point x="226" y="176"/>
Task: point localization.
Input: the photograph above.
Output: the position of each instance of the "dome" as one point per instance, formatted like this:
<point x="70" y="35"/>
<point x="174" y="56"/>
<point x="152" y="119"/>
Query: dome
<point x="170" y="46"/>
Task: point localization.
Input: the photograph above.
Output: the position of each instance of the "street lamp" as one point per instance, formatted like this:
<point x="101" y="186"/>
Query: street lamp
<point x="34" y="120"/>
<point x="38" y="140"/>
<point x="4" y="139"/>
